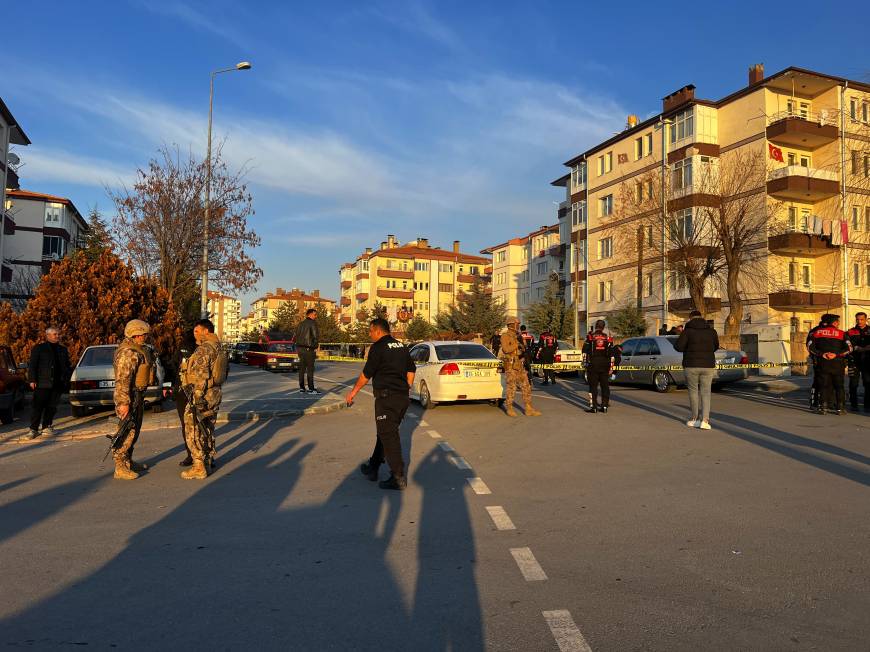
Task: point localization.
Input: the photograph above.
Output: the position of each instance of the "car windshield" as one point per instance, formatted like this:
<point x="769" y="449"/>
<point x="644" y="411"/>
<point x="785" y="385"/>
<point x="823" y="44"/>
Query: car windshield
<point x="463" y="352"/>
<point x="98" y="356"/>
<point x="282" y="347"/>
<point x="565" y="346"/>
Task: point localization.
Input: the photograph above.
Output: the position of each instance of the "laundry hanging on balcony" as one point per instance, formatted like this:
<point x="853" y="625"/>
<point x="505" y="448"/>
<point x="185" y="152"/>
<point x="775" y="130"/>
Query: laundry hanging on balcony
<point x="826" y="228"/>
<point x="840" y="234"/>
<point x="816" y="226"/>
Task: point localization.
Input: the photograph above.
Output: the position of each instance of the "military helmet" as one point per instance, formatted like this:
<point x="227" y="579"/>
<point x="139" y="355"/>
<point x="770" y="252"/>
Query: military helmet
<point x="136" y="327"/>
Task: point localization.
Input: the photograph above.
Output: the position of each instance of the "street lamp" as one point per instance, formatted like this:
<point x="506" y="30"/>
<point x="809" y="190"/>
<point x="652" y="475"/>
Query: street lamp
<point x="663" y="125"/>
<point x="242" y="65"/>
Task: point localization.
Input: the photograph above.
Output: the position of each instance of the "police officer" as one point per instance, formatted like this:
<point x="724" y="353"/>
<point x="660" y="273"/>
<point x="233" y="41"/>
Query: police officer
<point x="816" y="388"/>
<point x="528" y="341"/>
<point x="546" y="355"/>
<point x="599" y="353"/>
<point x="859" y="366"/>
<point x="391" y="370"/>
<point x="134" y="373"/>
<point x="831" y="346"/>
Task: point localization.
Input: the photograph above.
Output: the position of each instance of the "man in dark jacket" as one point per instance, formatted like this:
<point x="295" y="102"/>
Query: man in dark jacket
<point x="48" y="374"/>
<point x="831" y="347"/>
<point x="599" y="353"/>
<point x="698" y="343"/>
<point x="307" y="340"/>
<point x="546" y="355"/>
<point x="859" y="366"/>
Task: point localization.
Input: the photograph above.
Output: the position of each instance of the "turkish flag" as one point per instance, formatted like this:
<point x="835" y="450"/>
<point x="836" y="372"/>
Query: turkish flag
<point x="775" y="153"/>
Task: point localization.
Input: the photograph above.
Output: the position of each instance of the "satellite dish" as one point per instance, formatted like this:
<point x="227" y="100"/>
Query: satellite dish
<point x="12" y="158"/>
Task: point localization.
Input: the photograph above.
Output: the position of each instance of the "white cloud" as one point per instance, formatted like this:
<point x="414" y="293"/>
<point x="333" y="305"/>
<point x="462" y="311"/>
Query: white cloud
<point x="188" y="14"/>
<point x="45" y="164"/>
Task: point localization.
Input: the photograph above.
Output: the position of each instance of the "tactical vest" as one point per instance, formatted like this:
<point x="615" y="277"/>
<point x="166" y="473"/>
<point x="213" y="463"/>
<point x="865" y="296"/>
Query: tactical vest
<point x="509" y="342"/>
<point x="146" y="375"/>
<point x="220" y="367"/>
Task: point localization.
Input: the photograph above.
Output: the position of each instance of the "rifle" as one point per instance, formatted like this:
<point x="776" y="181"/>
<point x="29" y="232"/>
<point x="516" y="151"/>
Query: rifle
<point x="197" y="416"/>
<point x="127" y="423"/>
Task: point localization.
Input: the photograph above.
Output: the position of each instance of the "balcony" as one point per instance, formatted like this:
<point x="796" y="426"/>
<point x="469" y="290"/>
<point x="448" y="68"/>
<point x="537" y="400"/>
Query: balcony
<point x="345" y="319"/>
<point x="362" y="276"/>
<point x="395" y="273"/>
<point x="804" y="132"/>
<point x="811" y="298"/>
<point x="346" y="285"/>
<point x="685" y="306"/>
<point x="467" y="278"/>
<point x="799" y="183"/>
<point x="362" y="296"/>
<point x="395" y="294"/>
<point x="345" y="301"/>
<point x="800" y="244"/>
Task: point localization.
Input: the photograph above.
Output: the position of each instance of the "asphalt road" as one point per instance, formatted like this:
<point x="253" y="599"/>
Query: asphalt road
<point x="625" y="531"/>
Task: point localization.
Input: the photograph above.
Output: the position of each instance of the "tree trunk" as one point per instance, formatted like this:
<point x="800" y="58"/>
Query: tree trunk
<point x="696" y="292"/>
<point x="735" y="314"/>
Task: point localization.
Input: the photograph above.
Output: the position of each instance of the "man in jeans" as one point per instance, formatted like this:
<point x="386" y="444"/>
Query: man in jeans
<point x="48" y="374"/>
<point x="698" y="343"/>
<point x="307" y="339"/>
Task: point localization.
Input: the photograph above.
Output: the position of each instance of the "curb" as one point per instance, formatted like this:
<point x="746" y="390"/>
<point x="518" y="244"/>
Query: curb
<point x="229" y="417"/>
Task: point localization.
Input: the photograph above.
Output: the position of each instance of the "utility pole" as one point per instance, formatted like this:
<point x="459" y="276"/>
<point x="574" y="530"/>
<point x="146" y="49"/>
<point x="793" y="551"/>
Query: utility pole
<point x="662" y="125"/>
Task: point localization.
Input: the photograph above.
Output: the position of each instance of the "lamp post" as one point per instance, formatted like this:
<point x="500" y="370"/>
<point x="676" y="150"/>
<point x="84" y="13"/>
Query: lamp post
<point x="663" y="125"/>
<point x="242" y="65"/>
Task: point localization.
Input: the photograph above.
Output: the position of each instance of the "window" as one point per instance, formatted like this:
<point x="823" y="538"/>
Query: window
<point x="856" y="274"/>
<point x="649" y="235"/>
<point x="648" y="285"/>
<point x="421" y="267"/>
<point x="866" y="165"/>
<point x="680" y="226"/>
<point x="578" y="174"/>
<point x="53" y="213"/>
<point x="539" y="292"/>
<point x="500" y="256"/>
<point x="541" y="268"/>
<point x="856" y="218"/>
<point x="524" y="277"/>
<point x="445" y="287"/>
<point x="677" y="282"/>
<point x="683" y="125"/>
<point x="856" y="161"/>
<point x="605" y="248"/>
<point x="53" y="246"/>
<point x="605" y="206"/>
<point x="605" y="163"/>
<point x="638" y="192"/>
<point x="473" y="270"/>
<point x="682" y="174"/>
<point x="578" y="213"/>
<point x="404" y="285"/>
<point x="800" y="275"/>
<point x="649" y="143"/>
<point x="867" y="275"/>
<point x="797" y="108"/>
<point x="867" y="218"/>
<point x="524" y="253"/>
<point x="445" y="267"/>
<point x="638" y="148"/>
<point x="799" y="221"/>
<point x="605" y="291"/>
<point x="865" y="112"/>
<point x="853" y="108"/>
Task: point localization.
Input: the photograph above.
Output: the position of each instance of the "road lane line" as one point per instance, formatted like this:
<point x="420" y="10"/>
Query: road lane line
<point x="460" y="463"/>
<point x="478" y="486"/>
<point x="423" y="423"/>
<point x="434" y="434"/>
<point x="566" y="632"/>
<point x="443" y="445"/>
<point x="529" y="566"/>
<point x="500" y="518"/>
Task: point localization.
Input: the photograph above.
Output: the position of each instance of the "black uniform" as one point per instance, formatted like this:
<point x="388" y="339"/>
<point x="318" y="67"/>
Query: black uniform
<point x="528" y="352"/>
<point x="859" y="366"/>
<point x="599" y="352"/>
<point x="547" y="346"/>
<point x="495" y="344"/>
<point x="816" y="388"/>
<point x="829" y="339"/>
<point x="388" y="365"/>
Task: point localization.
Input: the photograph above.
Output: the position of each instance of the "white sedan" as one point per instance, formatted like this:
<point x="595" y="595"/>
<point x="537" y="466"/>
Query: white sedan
<point x="456" y="371"/>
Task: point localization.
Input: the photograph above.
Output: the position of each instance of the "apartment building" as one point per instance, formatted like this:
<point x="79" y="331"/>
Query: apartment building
<point x="810" y="130"/>
<point x="523" y="267"/>
<point x="408" y="279"/>
<point x="263" y="308"/>
<point x="11" y="133"/>
<point x="225" y="312"/>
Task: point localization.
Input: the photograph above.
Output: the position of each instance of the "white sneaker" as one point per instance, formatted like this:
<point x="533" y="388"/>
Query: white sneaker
<point x="705" y="425"/>
<point x="693" y="424"/>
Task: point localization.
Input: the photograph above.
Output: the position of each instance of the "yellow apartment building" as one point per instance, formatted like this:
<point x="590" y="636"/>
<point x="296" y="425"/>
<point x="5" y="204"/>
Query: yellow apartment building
<point x="792" y="148"/>
<point x="225" y="313"/>
<point x="408" y="279"/>
<point x="263" y="308"/>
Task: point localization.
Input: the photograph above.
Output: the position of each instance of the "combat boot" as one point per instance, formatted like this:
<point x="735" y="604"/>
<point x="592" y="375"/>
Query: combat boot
<point x="197" y="471"/>
<point x="370" y="470"/>
<point x="187" y="461"/>
<point x="397" y="482"/>
<point x="123" y="471"/>
<point x="531" y="412"/>
<point x="136" y="467"/>
<point x="509" y="410"/>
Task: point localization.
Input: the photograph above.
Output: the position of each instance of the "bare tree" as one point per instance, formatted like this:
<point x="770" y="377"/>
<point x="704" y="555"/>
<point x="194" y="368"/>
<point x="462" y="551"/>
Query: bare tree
<point x="159" y="224"/>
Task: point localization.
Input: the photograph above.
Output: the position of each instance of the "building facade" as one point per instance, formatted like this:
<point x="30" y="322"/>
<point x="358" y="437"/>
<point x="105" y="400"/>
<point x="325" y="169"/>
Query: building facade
<point x="225" y="312"/>
<point x="786" y="158"/>
<point x="11" y="133"/>
<point x="263" y="308"/>
<point x="408" y="279"/>
<point x="523" y="267"/>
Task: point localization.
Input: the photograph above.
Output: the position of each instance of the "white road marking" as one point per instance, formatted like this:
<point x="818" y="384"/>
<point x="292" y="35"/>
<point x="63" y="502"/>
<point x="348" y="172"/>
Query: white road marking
<point x="566" y="632"/>
<point x="500" y="518"/>
<point x="443" y="445"/>
<point x="478" y="486"/>
<point x="434" y="434"/>
<point x="423" y="423"/>
<point x="460" y="463"/>
<point x="529" y="566"/>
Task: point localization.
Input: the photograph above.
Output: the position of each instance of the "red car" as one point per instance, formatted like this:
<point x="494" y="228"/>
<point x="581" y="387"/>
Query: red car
<point x="279" y="355"/>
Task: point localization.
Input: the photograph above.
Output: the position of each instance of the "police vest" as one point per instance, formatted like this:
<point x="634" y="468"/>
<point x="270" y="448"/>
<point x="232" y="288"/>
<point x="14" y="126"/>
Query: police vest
<point x="548" y="341"/>
<point x="600" y="345"/>
<point x="829" y="340"/>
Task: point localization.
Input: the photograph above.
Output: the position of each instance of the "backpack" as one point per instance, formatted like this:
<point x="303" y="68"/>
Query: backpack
<point x="509" y="343"/>
<point x="220" y="367"/>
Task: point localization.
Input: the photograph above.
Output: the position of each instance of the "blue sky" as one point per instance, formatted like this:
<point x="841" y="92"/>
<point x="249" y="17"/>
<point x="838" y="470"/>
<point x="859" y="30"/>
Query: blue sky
<point x="421" y="118"/>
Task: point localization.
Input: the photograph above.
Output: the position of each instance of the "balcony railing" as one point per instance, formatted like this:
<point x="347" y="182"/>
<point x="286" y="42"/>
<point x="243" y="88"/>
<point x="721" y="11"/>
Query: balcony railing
<point x="801" y="183"/>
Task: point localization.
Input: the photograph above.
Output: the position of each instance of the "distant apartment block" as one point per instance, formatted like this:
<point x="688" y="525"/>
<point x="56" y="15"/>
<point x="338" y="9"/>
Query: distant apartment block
<point x="225" y="312"/>
<point x="263" y="308"/>
<point x="11" y="133"/>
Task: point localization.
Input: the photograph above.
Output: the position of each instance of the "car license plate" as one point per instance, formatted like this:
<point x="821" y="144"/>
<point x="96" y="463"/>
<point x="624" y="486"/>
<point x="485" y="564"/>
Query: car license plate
<point x="284" y="364"/>
<point x="107" y="383"/>
<point x="477" y="374"/>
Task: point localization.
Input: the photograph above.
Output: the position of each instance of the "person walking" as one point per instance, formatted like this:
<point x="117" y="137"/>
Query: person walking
<point x="134" y="373"/>
<point x="831" y="347"/>
<point x="599" y="353"/>
<point x="859" y="367"/>
<point x="48" y="373"/>
<point x="307" y="340"/>
<point x="546" y="355"/>
<point x="202" y="379"/>
<point x="513" y="357"/>
<point x="390" y="368"/>
<point x="698" y="343"/>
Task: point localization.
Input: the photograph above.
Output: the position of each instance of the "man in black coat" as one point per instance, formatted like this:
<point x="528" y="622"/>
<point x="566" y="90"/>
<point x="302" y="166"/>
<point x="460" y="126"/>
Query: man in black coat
<point x="698" y="343"/>
<point x="48" y="373"/>
<point x="307" y="341"/>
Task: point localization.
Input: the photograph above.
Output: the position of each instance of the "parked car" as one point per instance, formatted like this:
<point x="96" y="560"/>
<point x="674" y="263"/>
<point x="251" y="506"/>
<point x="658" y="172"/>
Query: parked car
<point x="252" y="353"/>
<point x="13" y="385"/>
<point x="237" y="351"/>
<point x="93" y="381"/>
<point x="659" y="351"/>
<point x="456" y="371"/>
<point x="565" y="352"/>
<point x="275" y="357"/>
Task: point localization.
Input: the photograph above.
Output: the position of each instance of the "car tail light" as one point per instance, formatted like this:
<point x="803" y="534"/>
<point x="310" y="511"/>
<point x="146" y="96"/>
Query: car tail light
<point x="501" y="369"/>
<point x="83" y="384"/>
<point x="744" y="360"/>
<point x="449" y="369"/>
<point x="558" y="357"/>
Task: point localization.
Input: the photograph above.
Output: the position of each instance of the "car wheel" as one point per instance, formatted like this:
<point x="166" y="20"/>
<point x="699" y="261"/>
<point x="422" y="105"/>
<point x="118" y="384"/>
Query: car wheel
<point x="7" y="416"/>
<point x="662" y="382"/>
<point x="79" y="411"/>
<point x="426" y="401"/>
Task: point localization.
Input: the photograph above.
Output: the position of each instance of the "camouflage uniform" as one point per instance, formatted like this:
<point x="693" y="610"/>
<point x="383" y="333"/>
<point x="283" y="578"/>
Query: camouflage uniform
<point x="129" y="356"/>
<point x="197" y="376"/>
<point x="515" y="375"/>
